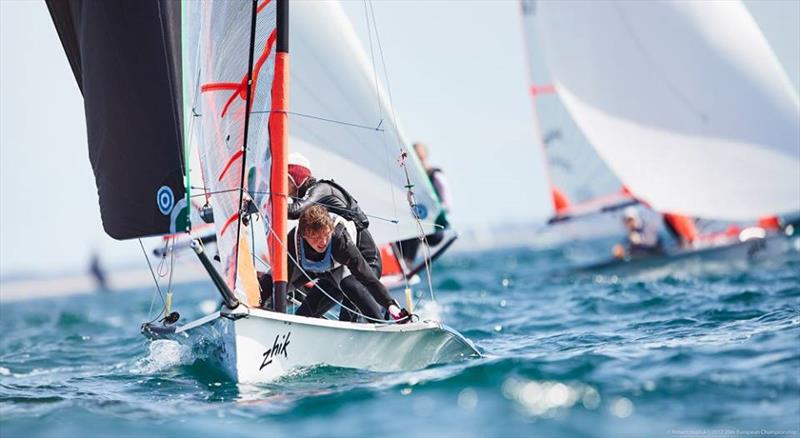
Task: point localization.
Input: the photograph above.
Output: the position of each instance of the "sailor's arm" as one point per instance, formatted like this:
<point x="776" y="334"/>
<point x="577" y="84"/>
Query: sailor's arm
<point x="348" y="254"/>
<point x="313" y="196"/>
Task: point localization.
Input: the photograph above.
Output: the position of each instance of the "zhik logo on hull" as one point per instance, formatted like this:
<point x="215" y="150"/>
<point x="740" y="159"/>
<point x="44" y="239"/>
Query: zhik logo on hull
<point x="278" y="347"/>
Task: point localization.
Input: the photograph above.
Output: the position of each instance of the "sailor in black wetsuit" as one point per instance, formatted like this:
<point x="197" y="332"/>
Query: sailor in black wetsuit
<point x="641" y="240"/>
<point x="325" y="250"/>
<point x="306" y="191"/>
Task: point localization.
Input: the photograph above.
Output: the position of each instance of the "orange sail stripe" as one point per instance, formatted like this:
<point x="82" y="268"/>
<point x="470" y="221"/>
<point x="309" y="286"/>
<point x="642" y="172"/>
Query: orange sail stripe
<point x="683" y="225"/>
<point x="536" y="90"/>
<point x="230" y="220"/>
<point x="262" y="6"/>
<point x="560" y="200"/>
<point x="233" y="158"/>
<point x="772" y="223"/>
<point x="390" y="262"/>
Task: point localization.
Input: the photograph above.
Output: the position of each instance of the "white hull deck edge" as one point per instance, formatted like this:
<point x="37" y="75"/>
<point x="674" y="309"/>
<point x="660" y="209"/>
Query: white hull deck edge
<point x="258" y="346"/>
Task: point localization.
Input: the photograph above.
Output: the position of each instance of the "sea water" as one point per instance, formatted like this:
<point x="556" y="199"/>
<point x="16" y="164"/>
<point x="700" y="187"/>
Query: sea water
<point x="670" y="352"/>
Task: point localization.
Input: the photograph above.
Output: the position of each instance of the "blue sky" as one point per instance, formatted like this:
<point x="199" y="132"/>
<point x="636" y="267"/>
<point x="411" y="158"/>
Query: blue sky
<point x="457" y="76"/>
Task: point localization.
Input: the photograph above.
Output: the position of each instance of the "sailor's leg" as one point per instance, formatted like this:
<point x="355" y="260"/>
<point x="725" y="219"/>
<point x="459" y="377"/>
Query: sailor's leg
<point x="346" y="315"/>
<point x="358" y="294"/>
<point x="317" y="302"/>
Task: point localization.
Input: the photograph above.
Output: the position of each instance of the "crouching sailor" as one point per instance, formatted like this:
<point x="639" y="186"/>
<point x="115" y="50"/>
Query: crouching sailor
<point x="325" y="250"/>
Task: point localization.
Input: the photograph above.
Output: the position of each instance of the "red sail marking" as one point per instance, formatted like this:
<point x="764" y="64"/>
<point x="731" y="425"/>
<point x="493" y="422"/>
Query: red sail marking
<point x="262" y="6"/>
<point x="240" y="88"/>
<point x="536" y="90"/>
<point x="228" y="222"/>
<point x="233" y="158"/>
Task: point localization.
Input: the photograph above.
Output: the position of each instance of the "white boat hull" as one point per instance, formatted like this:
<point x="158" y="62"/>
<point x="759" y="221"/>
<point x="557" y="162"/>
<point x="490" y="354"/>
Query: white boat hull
<point x="256" y="346"/>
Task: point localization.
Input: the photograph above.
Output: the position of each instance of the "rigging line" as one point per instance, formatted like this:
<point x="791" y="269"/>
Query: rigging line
<point x="175" y="113"/>
<point x="339" y="122"/>
<point x="385" y="72"/>
<point x="297" y="198"/>
<point x="297" y="264"/>
<point x="144" y="252"/>
<point x="171" y="264"/>
<point x="250" y="54"/>
<point x="195" y="97"/>
<point x="216" y="192"/>
<point x="387" y="157"/>
<point x="305" y="274"/>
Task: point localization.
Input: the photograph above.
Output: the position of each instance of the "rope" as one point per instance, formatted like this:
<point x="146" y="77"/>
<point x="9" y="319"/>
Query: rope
<point x="297" y="198"/>
<point x="338" y="122"/>
<point x="157" y="287"/>
<point x="324" y="292"/>
<point x="387" y="158"/>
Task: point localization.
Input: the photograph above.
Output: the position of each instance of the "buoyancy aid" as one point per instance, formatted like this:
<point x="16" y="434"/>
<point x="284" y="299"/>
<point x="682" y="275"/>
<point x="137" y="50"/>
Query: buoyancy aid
<point x="328" y="263"/>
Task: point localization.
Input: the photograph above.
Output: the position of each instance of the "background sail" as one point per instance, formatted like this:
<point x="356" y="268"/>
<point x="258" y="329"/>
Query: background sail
<point x="217" y="68"/>
<point x="574" y="167"/>
<point x="332" y="79"/>
<point x="685" y="101"/>
<point x="126" y="60"/>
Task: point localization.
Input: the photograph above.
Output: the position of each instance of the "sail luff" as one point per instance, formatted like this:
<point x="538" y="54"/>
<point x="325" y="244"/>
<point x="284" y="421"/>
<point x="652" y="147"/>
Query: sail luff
<point x="247" y="108"/>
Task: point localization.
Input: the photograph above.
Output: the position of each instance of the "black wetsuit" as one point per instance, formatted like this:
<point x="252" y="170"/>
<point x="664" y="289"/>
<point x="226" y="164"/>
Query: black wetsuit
<point x="338" y="201"/>
<point x="362" y="290"/>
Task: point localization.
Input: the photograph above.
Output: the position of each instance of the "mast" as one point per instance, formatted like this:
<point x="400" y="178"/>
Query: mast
<point x="279" y="147"/>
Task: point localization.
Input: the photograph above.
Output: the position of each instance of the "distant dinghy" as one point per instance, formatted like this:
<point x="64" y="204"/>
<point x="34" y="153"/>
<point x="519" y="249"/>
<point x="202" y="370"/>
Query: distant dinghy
<point x="685" y="101"/>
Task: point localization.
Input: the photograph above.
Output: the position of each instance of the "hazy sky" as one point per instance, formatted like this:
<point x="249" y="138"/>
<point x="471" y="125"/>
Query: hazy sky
<point x="458" y="81"/>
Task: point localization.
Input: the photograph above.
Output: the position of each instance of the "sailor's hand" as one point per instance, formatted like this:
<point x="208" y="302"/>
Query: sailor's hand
<point x="400" y="315"/>
<point x="618" y="251"/>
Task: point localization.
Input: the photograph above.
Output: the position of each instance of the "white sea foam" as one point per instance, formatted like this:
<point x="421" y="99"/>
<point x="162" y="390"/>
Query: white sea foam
<point x="163" y="354"/>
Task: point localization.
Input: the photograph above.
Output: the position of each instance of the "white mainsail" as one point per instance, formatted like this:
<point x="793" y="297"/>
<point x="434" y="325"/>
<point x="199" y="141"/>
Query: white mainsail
<point x="685" y="101"/>
<point x="574" y="168"/>
<point x="333" y="88"/>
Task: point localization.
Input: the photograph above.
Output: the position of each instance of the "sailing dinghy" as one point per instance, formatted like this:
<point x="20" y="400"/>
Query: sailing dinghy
<point x="161" y="77"/>
<point x="694" y="118"/>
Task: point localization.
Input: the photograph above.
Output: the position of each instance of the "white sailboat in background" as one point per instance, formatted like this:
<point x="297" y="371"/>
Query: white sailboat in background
<point x="685" y="102"/>
<point x="225" y="84"/>
<point x="581" y="183"/>
<point x="695" y="118"/>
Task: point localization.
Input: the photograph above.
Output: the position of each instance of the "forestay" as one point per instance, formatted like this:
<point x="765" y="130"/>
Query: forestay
<point x="345" y="126"/>
<point x="685" y="101"/>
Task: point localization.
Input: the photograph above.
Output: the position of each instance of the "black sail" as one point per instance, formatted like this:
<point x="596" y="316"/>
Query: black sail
<point x="126" y="57"/>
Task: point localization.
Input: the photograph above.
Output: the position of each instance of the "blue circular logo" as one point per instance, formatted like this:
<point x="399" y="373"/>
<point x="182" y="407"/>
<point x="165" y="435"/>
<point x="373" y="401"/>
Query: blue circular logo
<point x="165" y="200"/>
<point x="420" y="211"/>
